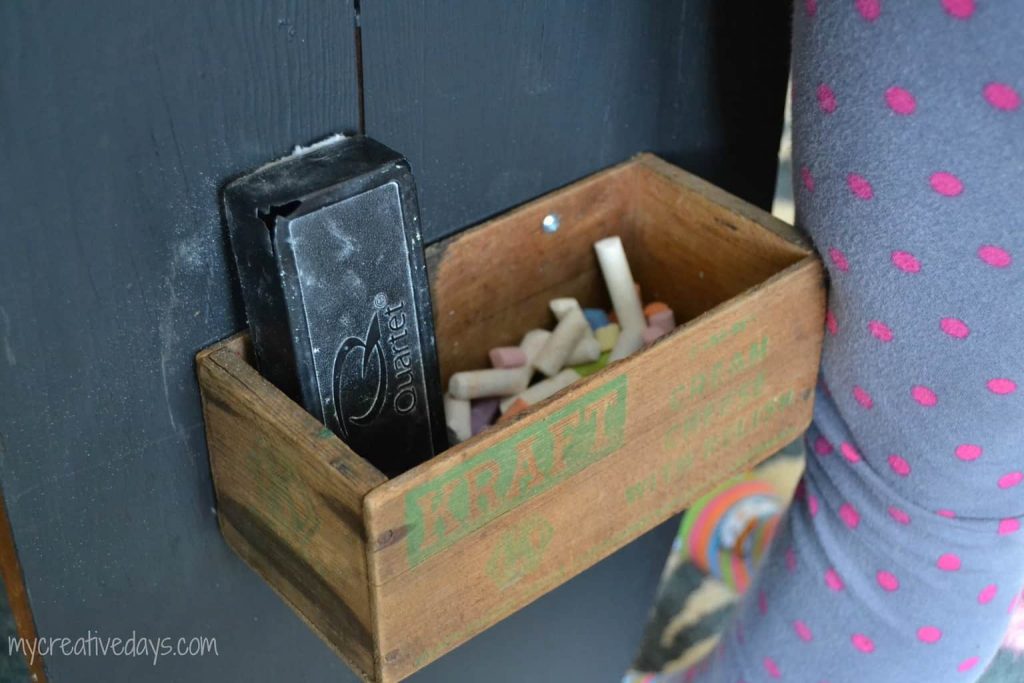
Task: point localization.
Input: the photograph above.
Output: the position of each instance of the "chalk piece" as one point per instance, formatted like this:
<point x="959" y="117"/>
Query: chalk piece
<point x="666" y="320"/>
<point x="562" y="341"/>
<point x="457" y="417"/>
<point x="485" y="383"/>
<point x="596" y="317"/>
<point x="607" y="336"/>
<point x="652" y="334"/>
<point x="560" y="307"/>
<point x="543" y="389"/>
<point x="531" y="344"/>
<point x="482" y="413"/>
<point x="619" y="280"/>
<point x="549" y="387"/>
<point x="655" y="307"/>
<point x="508" y="357"/>
<point x="587" y="351"/>
<point x="590" y="368"/>
<point x="518" y="405"/>
<point x="630" y="339"/>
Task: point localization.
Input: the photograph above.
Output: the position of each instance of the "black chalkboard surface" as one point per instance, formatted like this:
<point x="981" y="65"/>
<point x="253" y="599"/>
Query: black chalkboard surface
<point x="120" y="123"/>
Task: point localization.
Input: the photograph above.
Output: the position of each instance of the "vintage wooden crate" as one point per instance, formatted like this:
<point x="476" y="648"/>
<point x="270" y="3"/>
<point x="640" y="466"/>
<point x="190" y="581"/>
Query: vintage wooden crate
<point x="394" y="573"/>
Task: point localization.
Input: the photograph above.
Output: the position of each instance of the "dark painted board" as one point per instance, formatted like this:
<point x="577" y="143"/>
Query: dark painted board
<point x="494" y="103"/>
<point x="119" y="122"/>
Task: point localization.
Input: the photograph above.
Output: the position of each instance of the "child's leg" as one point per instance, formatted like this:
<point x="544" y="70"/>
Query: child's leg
<point x="909" y="151"/>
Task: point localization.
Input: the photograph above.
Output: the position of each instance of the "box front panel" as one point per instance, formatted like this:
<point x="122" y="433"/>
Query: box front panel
<point x="470" y="539"/>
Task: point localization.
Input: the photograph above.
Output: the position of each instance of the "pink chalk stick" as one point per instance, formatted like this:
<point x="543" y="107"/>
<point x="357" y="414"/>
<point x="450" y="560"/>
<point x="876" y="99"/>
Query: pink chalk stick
<point x="665" y="319"/>
<point x="653" y="334"/>
<point x="508" y="357"/>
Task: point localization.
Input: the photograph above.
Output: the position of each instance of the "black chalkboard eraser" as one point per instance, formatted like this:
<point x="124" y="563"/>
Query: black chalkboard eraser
<point x="330" y="259"/>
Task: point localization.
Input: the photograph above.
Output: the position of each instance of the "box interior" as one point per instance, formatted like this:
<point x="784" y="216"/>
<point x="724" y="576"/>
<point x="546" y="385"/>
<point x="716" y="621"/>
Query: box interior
<point x="492" y="284"/>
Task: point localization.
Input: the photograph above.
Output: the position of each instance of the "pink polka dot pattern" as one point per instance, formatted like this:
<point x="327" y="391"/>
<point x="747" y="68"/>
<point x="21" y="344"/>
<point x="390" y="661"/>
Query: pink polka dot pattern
<point x="826" y="99"/>
<point x="959" y="9"/>
<point x="948" y="562"/>
<point x="790" y="559"/>
<point x="812" y="504"/>
<point x="833" y="581"/>
<point x="987" y="594"/>
<point x="807" y="178"/>
<point x="772" y="668"/>
<point x="948" y="514"/>
<point x="929" y="634"/>
<point x="1008" y="481"/>
<point x="997" y="257"/>
<point x="762" y="602"/>
<point x="899" y="465"/>
<point x="839" y="259"/>
<point x="860" y="186"/>
<point x="968" y="452"/>
<point x="822" y="446"/>
<point x="848" y="513"/>
<point x="899" y="515"/>
<point x="1008" y="526"/>
<point x="863" y="398"/>
<point x="887" y="581"/>
<point x="900" y="101"/>
<point x="811" y="7"/>
<point x="869" y="9"/>
<point x="924" y="396"/>
<point x="1001" y="96"/>
<point x="849" y="452"/>
<point x="803" y="632"/>
<point x="906" y="262"/>
<point x="946" y="184"/>
<point x="1002" y="386"/>
<point x="955" y="328"/>
<point x="967" y="664"/>
<point x="862" y="643"/>
<point x="831" y="324"/>
<point x="880" y="331"/>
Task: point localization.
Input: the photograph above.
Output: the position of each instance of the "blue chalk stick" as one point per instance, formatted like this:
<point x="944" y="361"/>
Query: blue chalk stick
<point x="596" y="317"/>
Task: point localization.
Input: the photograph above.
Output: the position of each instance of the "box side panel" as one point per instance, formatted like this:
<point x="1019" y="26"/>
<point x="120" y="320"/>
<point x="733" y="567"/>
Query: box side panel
<point x="714" y="198"/>
<point x="518" y="511"/>
<point x="289" y="497"/>
<point x="696" y="252"/>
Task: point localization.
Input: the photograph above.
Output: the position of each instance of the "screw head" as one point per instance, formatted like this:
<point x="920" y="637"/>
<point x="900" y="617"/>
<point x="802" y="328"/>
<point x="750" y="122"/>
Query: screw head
<point x="551" y="223"/>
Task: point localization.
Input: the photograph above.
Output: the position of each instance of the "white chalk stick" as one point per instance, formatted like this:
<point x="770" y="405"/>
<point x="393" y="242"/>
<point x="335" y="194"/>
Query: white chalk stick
<point x="560" y="307"/>
<point x="619" y="281"/>
<point x="566" y="335"/>
<point x="457" y="417"/>
<point x="543" y="389"/>
<point x="630" y="340"/>
<point x="471" y="384"/>
<point x="587" y="351"/>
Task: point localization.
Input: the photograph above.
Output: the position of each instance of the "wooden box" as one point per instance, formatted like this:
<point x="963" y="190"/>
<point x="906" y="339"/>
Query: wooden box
<point x="394" y="573"/>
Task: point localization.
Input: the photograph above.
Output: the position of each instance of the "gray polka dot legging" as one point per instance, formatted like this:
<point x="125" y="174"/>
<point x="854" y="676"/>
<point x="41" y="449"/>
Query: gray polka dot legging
<point x="909" y="175"/>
